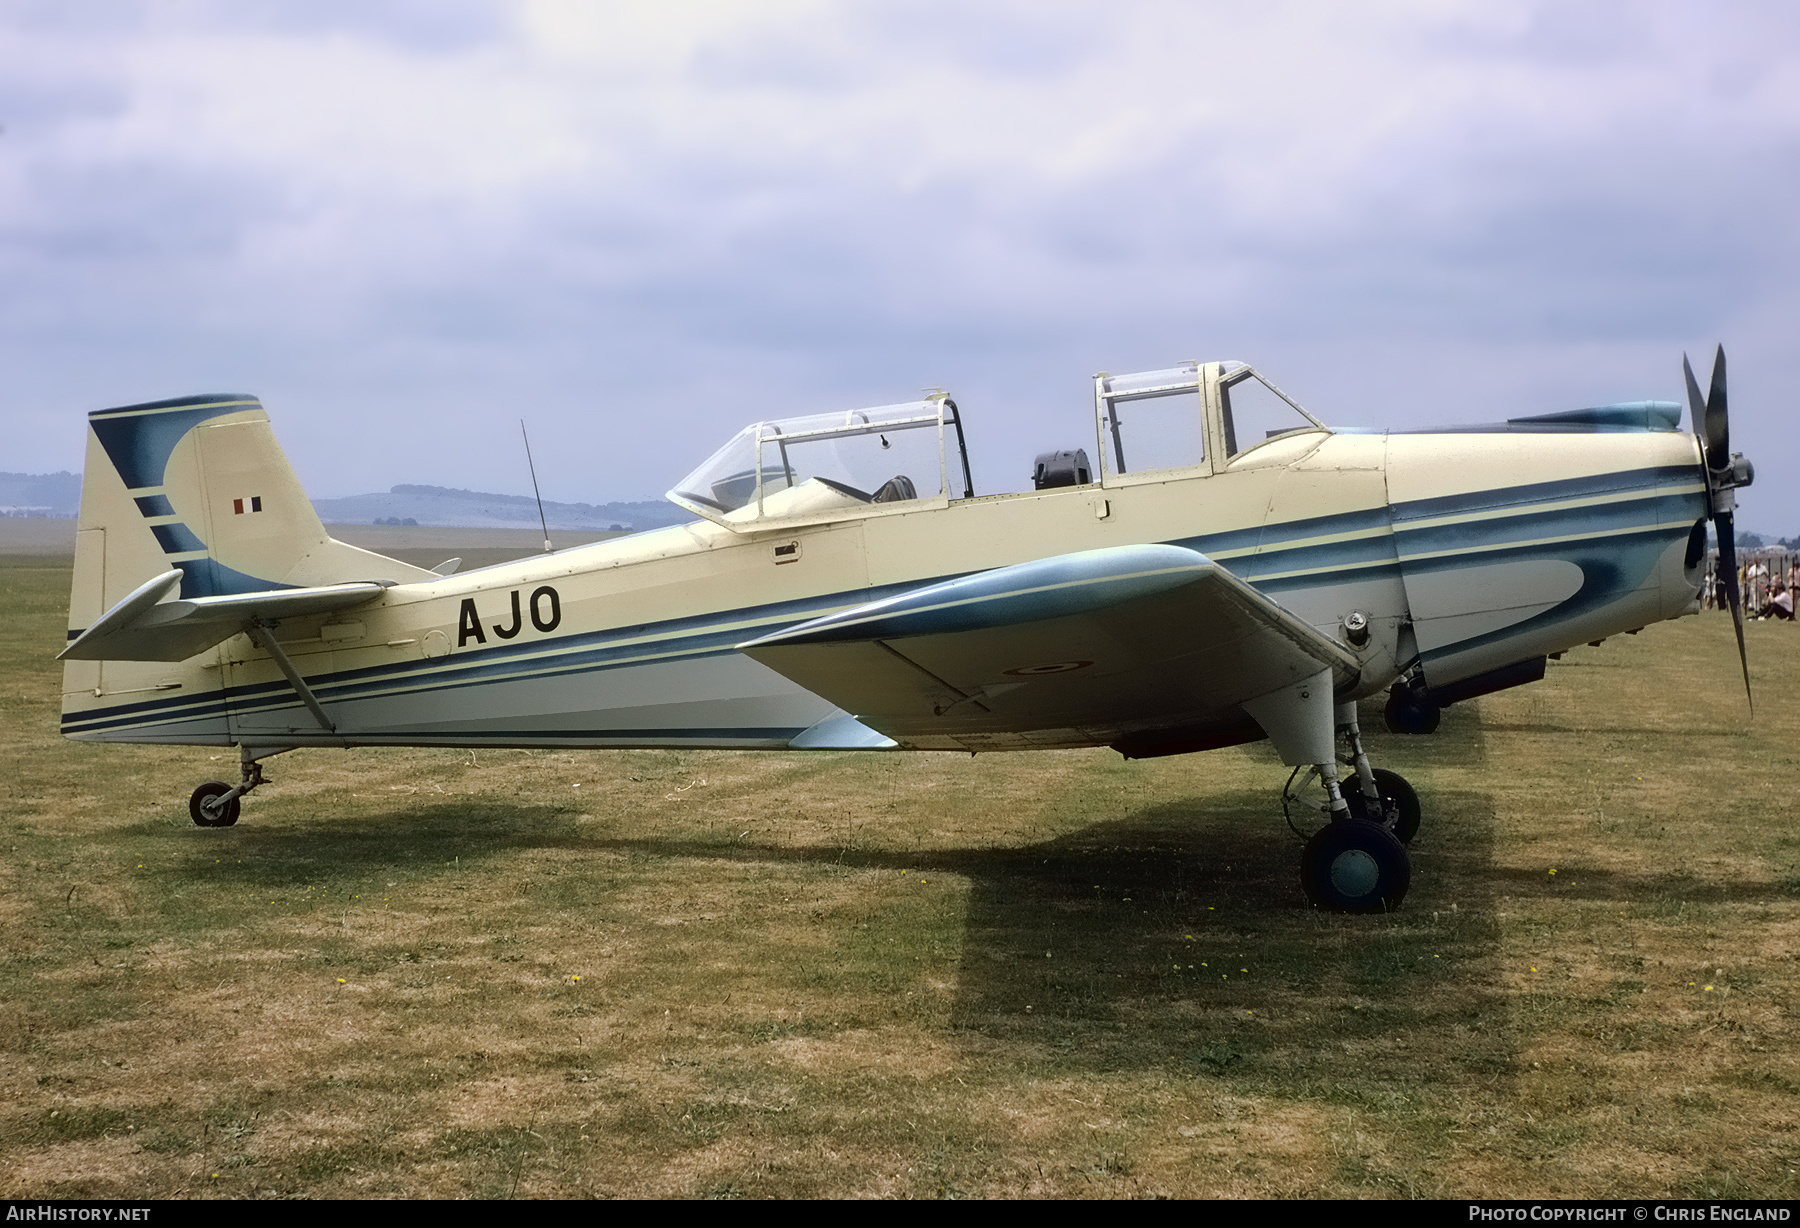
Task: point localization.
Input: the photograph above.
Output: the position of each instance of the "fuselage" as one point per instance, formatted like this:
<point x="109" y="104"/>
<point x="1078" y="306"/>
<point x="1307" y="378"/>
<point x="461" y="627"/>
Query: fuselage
<point x="1467" y="552"/>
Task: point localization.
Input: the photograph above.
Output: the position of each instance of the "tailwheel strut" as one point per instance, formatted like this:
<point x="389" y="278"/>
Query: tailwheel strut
<point x="216" y="804"/>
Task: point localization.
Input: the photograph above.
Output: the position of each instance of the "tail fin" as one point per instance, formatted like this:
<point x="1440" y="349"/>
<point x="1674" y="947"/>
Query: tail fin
<point x="200" y="484"/>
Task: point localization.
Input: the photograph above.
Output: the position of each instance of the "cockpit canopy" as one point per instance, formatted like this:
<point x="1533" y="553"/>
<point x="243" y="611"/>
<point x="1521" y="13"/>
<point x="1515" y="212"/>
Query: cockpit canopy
<point x="833" y="466"/>
<point x="1197" y="418"/>
<point x="1162" y="420"/>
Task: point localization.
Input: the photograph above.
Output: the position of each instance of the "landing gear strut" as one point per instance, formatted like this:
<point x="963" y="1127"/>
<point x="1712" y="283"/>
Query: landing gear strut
<point x="216" y="804"/>
<point x="1397" y="810"/>
<point x="1358" y="861"/>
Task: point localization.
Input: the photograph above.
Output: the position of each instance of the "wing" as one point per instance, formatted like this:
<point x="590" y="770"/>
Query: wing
<point x="144" y="627"/>
<point x="1120" y="646"/>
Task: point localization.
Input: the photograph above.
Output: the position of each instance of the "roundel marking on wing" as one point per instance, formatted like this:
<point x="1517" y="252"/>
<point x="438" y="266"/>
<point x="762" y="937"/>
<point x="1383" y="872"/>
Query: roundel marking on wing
<point x="1049" y="667"/>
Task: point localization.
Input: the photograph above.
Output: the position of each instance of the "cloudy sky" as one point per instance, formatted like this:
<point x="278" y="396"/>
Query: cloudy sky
<point x="407" y="225"/>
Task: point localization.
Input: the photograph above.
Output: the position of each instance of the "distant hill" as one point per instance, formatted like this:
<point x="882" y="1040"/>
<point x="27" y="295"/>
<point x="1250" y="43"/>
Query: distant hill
<point x="443" y="506"/>
<point x="40" y="494"/>
<point x="58" y="495"/>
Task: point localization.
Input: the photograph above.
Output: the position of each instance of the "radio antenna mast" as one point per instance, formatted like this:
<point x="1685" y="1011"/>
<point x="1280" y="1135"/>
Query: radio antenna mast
<point x="534" y="485"/>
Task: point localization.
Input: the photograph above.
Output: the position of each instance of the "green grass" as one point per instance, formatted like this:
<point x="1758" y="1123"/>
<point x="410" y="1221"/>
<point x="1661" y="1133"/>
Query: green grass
<point x="420" y="973"/>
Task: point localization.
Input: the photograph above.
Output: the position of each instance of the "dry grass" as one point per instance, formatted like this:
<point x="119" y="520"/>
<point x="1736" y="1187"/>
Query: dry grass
<point x="417" y="973"/>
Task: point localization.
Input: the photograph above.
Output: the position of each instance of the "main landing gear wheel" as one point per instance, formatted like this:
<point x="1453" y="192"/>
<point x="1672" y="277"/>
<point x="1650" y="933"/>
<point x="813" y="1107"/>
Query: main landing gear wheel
<point x="1397" y="798"/>
<point x="1352" y="865"/>
<point x="206" y="808"/>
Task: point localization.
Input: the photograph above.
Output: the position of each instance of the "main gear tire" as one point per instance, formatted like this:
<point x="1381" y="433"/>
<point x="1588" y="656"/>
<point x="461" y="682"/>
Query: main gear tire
<point x="1352" y="865"/>
<point x="1397" y="797"/>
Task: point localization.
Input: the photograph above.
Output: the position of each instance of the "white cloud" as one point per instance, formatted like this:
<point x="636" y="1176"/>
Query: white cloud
<point x="640" y="223"/>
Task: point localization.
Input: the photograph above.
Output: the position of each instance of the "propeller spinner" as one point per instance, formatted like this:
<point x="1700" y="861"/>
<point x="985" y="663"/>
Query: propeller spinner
<point x="1725" y="472"/>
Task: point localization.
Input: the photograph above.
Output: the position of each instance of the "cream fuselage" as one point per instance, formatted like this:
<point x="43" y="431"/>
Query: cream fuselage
<point x="1471" y="551"/>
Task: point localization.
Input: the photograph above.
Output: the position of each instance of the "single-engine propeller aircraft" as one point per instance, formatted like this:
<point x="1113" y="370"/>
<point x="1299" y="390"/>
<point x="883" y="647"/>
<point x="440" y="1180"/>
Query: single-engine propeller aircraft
<point x="1232" y="569"/>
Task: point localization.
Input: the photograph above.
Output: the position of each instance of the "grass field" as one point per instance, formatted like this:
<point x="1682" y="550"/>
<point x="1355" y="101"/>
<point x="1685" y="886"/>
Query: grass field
<point x="422" y="973"/>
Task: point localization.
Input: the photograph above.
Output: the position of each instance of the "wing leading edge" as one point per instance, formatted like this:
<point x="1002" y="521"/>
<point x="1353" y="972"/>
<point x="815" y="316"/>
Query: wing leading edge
<point x="1141" y="647"/>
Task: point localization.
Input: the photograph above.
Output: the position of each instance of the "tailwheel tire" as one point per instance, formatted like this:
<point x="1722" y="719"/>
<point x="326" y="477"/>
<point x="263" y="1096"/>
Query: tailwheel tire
<point x="1352" y="865"/>
<point x="206" y="808"/>
<point x="1397" y="796"/>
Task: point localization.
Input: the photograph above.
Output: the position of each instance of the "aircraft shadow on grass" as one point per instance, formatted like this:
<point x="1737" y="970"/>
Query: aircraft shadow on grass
<point x="1176" y="935"/>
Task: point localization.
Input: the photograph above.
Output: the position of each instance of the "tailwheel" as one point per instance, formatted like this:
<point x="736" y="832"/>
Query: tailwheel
<point x="1400" y="803"/>
<point x="216" y="804"/>
<point x="1352" y="865"/>
<point x="210" y="807"/>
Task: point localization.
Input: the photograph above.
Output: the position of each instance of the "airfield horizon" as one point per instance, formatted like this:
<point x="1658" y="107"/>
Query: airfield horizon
<point x="420" y="545"/>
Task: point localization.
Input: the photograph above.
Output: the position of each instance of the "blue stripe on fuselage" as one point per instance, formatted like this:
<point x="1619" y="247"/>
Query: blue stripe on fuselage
<point x="1305" y="564"/>
<point x="1649" y="480"/>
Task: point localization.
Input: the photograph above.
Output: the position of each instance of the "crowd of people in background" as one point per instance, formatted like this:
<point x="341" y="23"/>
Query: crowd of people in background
<point x="1765" y="578"/>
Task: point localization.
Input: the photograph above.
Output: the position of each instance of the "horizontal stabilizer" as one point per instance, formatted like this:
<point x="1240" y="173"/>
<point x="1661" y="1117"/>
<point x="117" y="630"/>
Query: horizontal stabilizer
<point x="144" y="627"/>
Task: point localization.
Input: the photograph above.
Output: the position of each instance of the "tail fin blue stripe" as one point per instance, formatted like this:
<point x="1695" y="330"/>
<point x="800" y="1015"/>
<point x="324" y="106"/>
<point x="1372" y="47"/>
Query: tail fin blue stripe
<point x="176" y="538"/>
<point x="138" y="439"/>
<point x="210" y="578"/>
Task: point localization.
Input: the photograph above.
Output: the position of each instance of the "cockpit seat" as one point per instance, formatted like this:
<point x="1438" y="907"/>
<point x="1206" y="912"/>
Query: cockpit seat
<point x="896" y="489"/>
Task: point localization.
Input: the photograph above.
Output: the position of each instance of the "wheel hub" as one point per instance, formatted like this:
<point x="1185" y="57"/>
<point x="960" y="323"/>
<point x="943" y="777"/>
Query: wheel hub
<point x="1354" y="873"/>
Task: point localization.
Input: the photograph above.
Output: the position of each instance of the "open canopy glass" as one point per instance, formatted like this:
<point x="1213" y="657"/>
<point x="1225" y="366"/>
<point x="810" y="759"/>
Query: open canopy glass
<point x="832" y="466"/>
<point x="1156" y="421"/>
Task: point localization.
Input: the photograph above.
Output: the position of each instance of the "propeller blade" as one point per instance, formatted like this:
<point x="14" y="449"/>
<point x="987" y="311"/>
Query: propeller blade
<point x="1733" y="596"/>
<point x="1713" y="431"/>
<point x="1718" y="425"/>
<point x="1696" y="402"/>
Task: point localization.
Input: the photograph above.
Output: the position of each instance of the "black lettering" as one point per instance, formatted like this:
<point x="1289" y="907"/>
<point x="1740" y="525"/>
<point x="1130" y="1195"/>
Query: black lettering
<point x="537" y="619"/>
<point x="468" y="624"/>
<point x="506" y="633"/>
